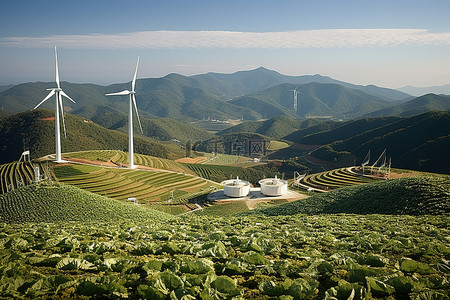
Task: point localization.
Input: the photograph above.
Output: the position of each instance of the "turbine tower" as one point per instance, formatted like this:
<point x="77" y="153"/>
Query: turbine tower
<point x="58" y="105"/>
<point x="295" y="98"/>
<point x="130" y="115"/>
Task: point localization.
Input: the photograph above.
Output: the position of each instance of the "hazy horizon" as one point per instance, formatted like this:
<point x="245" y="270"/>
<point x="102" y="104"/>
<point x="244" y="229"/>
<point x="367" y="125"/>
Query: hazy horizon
<point x="390" y="44"/>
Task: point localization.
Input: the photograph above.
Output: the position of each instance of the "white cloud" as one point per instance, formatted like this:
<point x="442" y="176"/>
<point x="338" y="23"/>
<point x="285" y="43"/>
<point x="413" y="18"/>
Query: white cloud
<point x="326" y="38"/>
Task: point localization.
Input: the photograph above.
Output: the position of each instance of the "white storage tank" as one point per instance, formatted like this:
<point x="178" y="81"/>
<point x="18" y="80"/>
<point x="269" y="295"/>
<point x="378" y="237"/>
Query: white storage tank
<point x="236" y="188"/>
<point x="273" y="186"/>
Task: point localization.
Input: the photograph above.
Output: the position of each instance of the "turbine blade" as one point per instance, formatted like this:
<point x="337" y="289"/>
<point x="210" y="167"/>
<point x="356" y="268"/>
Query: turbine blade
<point x="122" y="93"/>
<point x="48" y="96"/>
<point x="133" y="83"/>
<point x="65" y="95"/>
<point x="137" y="114"/>
<point x="57" y="72"/>
<point x="62" y="115"/>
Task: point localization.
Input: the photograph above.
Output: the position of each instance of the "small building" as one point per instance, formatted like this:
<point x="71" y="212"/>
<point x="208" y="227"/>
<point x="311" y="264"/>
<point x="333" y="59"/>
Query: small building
<point x="236" y="188"/>
<point x="273" y="186"/>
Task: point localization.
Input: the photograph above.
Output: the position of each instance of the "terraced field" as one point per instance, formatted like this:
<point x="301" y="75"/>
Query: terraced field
<point x="333" y="179"/>
<point x="144" y="185"/>
<point x="16" y="174"/>
<point x="119" y="157"/>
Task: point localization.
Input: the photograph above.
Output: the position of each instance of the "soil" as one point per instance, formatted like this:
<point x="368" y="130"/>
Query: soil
<point x="189" y="160"/>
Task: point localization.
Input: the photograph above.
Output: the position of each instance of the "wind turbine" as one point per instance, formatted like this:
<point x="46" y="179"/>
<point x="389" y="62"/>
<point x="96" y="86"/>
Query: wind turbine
<point x="295" y="98"/>
<point x="130" y="115"/>
<point x="59" y="105"/>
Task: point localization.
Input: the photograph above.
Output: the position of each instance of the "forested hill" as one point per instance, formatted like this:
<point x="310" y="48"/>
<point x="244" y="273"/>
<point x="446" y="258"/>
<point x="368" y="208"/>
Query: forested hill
<point x="419" y="142"/>
<point x="35" y="131"/>
<point x="277" y="127"/>
<point x="163" y="129"/>
<point x="256" y="94"/>
<point x="428" y="102"/>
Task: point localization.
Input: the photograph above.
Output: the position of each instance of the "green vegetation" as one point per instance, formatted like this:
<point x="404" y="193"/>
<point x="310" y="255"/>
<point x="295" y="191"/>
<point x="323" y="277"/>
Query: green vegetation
<point x="224" y="209"/>
<point x="219" y="173"/>
<point x="52" y="202"/>
<point x="17" y="174"/>
<point x="301" y="257"/>
<point x="318" y="99"/>
<point x="333" y="179"/>
<point x="419" y="105"/>
<point x="164" y="129"/>
<point x="413" y="143"/>
<point x="120" y="157"/>
<point x="145" y="185"/>
<point x="17" y="135"/>
<point x="277" y="127"/>
<point x="403" y="196"/>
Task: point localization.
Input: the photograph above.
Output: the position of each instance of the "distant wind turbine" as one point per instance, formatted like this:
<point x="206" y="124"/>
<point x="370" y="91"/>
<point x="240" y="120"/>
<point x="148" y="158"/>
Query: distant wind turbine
<point x="59" y="105"/>
<point x="130" y="116"/>
<point x="295" y="98"/>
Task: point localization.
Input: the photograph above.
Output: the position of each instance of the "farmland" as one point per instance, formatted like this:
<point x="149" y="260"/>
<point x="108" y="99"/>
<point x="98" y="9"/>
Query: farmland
<point x="119" y="183"/>
<point x="372" y="240"/>
<point x="205" y="257"/>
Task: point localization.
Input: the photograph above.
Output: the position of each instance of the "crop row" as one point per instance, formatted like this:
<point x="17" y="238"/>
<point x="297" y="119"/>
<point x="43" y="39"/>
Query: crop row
<point x="334" y="179"/>
<point x="122" y="184"/>
<point x="207" y="257"/>
<point x="16" y="174"/>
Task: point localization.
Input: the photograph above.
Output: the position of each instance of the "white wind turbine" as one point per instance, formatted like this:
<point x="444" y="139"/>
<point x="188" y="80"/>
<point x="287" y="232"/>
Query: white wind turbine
<point x="295" y="98"/>
<point x="130" y="116"/>
<point x="59" y="105"/>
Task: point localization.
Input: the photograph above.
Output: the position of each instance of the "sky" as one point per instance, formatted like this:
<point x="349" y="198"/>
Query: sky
<point x="388" y="43"/>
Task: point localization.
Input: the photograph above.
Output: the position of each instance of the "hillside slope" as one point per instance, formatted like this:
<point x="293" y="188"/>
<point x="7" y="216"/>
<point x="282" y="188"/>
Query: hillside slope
<point x="277" y="127"/>
<point x="403" y="196"/>
<point x="251" y="81"/>
<point x="401" y="139"/>
<point x="63" y="203"/>
<point x="416" y="106"/>
<point x="315" y="99"/>
<point x="34" y="131"/>
<point x="164" y="129"/>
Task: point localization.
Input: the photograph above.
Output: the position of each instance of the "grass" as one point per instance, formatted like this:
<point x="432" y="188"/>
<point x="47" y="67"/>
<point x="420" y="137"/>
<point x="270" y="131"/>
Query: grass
<point x="403" y="196"/>
<point x="52" y="202"/>
<point x="146" y="186"/>
<point x="277" y="145"/>
<point x="225" y="209"/>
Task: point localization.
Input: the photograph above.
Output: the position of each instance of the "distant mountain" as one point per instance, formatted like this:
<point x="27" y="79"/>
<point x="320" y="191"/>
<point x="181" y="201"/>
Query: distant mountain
<point x="419" y="91"/>
<point x="416" y="106"/>
<point x="419" y="142"/>
<point x="34" y="131"/>
<point x="277" y="127"/>
<point x="246" y="82"/>
<point x="199" y="97"/>
<point x="315" y="99"/>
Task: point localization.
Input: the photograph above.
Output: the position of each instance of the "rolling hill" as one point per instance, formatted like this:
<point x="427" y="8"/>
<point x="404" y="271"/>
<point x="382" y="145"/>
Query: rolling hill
<point x="403" y="196"/>
<point x="164" y="129"/>
<point x="315" y="99"/>
<point x="64" y="203"/>
<point x="416" y="142"/>
<point x="248" y="82"/>
<point x="416" y="106"/>
<point x="34" y="131"/>
<point x="277" y="127"/>
<point x="202" y="96"/>
<point x="344" y="131"/>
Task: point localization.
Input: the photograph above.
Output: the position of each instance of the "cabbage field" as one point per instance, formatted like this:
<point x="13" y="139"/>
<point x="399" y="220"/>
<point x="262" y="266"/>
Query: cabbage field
<point x="334" y="256"/>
